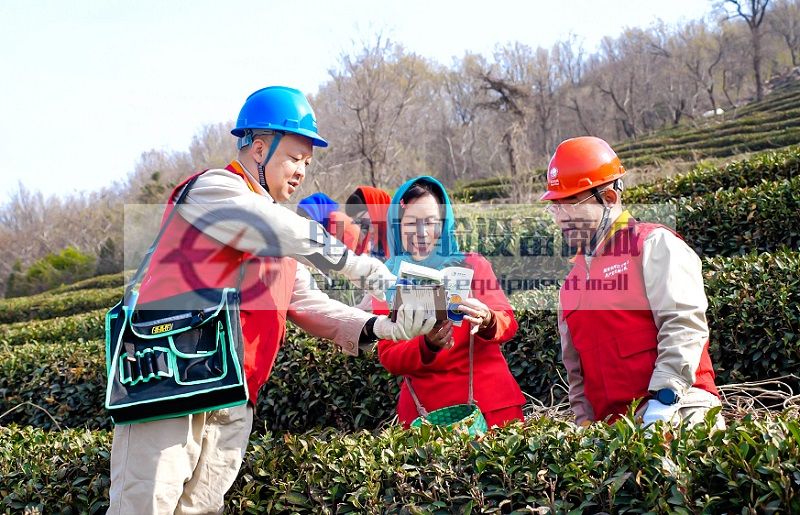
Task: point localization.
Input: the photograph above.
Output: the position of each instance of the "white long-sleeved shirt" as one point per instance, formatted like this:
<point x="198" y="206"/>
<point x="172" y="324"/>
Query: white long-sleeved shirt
<point x="222" y="205"/>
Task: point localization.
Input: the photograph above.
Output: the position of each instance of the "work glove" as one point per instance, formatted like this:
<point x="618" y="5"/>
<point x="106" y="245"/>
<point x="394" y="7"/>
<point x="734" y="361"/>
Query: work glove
<point x="411" y="322"/>
<point x="658" y="411"/>
<point x="476" y="313"/>
<point x="368" y="273"/>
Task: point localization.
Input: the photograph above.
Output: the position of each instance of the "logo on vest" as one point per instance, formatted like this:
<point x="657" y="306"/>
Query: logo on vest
<point x="616" y="268"/>
<point x="619" y="283"/>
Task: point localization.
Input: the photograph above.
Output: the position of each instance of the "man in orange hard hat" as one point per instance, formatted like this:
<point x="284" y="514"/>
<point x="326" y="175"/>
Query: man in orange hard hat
<point x="632" y="309"/>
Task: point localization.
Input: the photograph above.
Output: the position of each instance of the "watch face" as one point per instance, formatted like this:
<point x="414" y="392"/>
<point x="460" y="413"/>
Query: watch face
<point x="666" y="396"/>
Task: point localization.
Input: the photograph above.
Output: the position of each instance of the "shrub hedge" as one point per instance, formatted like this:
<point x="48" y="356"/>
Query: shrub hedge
<point x="718" y="139"/>
<point x="67" y="380"/>
<point x="54" y="472"/>
<point x="725" y="222"/>
<point x="731" y="222"/>
<point x="750" y="467"/>
<point x="754" y="317"/>
<point x="768" y="165"/>
<point x="719" y="147"/>
<point x="543" y="466"/>
<point x="490" y="188"/>
<point x="744" y="128"/>
<point x="116" y="280"/>
<point x="46" y="305"/>
<point x="705" y="178"/>
<point x="80" y="327"/>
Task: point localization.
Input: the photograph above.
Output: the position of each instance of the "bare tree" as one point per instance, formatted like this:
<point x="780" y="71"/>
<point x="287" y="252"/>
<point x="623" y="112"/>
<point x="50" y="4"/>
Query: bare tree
<point x="701" y="53"/>
<point x="547" y="83"/>
<point x="734" y="39"/>
<point x="460" y="126"/>
<point x="673" y="94"/>
<point x="620" y="79"/>
<point x="571" y="62"/>
<point x="377" y="87"/>
<point x="508" y="99"/>
<point x="752" y="12"/>
<point x="212" y="147"/>
<point x="785" y="21"/>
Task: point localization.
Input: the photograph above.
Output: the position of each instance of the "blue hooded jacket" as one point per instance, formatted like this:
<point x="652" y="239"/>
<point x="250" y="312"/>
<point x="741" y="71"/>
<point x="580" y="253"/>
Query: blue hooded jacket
<point x="319" y="207"/>
<point x="446" y="252"/>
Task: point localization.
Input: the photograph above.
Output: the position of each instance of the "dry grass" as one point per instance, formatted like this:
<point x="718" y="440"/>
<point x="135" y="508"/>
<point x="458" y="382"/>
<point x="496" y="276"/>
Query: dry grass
<point x="760" y="398"/>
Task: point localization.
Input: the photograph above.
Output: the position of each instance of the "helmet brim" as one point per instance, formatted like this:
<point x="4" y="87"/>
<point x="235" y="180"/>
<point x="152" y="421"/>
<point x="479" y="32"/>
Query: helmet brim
<point x="315" y="138"/>
<point x="557" y="195"/>
<point x="554" y="195"/>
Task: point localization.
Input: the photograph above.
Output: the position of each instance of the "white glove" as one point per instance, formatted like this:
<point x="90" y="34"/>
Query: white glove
<point x="411" y="322"/>
<point x="369" y="273"/>
<point x="658" y="411"/>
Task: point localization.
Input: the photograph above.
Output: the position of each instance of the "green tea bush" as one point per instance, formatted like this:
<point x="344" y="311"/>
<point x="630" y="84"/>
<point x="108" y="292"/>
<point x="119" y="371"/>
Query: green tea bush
<point x="116" y="280"/>
<point x="547" y="465"/>
<point x="54" y="472"/>
<point x="51" y="385"/>
<point x="73" y="328"/>
<point x="705" y="178"/>
<point x="730" y="222"/>
<point x="741" y="128"/>
<point x="754" y="319"/>
<point x="541" y="466"/>
<point x="313" y="384"/>
<point x="47" y="305"/>
<point x="721" y="147"/>
<point x="754" y="316"/>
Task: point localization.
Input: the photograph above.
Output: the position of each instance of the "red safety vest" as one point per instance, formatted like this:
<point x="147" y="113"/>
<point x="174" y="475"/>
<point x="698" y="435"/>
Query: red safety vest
<point x="612" y="326"/>
<point x="186" y="260"/>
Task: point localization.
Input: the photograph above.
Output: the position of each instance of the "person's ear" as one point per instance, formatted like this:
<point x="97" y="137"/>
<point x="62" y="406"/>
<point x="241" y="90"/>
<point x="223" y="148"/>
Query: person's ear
<point x="611" y="196"/>
<point x="258" y="150"/>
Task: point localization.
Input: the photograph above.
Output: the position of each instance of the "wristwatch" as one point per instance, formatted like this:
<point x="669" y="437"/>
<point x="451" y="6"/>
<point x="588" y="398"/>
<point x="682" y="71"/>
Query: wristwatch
<point x="666" y="396"/>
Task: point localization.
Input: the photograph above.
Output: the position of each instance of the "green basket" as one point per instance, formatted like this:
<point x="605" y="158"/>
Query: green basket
<point x="458" y="416"/>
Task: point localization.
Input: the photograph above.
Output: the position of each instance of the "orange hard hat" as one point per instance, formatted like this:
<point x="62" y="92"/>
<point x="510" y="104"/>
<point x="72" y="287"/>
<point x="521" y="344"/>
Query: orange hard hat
<point x="580" y="164"/>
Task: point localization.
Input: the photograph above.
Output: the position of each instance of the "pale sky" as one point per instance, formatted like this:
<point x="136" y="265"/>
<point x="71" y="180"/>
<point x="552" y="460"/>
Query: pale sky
<point x="88" y="86"/>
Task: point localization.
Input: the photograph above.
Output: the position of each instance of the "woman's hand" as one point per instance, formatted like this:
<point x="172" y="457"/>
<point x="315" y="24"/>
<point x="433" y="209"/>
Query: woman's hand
<point x="440" y="337"/>
<point x="476" y="313"/>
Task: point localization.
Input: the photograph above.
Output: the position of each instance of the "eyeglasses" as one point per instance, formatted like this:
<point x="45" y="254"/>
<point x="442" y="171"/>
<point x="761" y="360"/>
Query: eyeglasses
<point x="555" y="209"/>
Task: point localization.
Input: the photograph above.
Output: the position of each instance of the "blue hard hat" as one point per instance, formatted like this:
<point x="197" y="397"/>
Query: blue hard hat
<point x="278" y="108"/>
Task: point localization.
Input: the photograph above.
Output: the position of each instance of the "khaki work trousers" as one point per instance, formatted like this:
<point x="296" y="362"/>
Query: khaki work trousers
<point x="180" y="465"/>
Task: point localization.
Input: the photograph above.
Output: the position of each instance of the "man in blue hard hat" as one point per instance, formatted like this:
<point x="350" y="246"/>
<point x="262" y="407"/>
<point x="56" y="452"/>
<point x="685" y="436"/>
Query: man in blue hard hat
<point x="233" y="231"/>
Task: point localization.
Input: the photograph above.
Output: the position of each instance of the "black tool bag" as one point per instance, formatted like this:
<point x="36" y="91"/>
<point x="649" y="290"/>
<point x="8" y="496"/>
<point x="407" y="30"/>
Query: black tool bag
<point x="175" y="356"/>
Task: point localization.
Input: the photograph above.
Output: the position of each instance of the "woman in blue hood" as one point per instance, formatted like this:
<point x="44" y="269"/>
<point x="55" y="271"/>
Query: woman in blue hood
<point x="421" y="231"/>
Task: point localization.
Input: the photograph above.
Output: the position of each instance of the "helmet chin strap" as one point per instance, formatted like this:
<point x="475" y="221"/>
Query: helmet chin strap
<point x="601" y="229"/>
<point x="605" y="220"/>
<point x="262" y="178"/>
